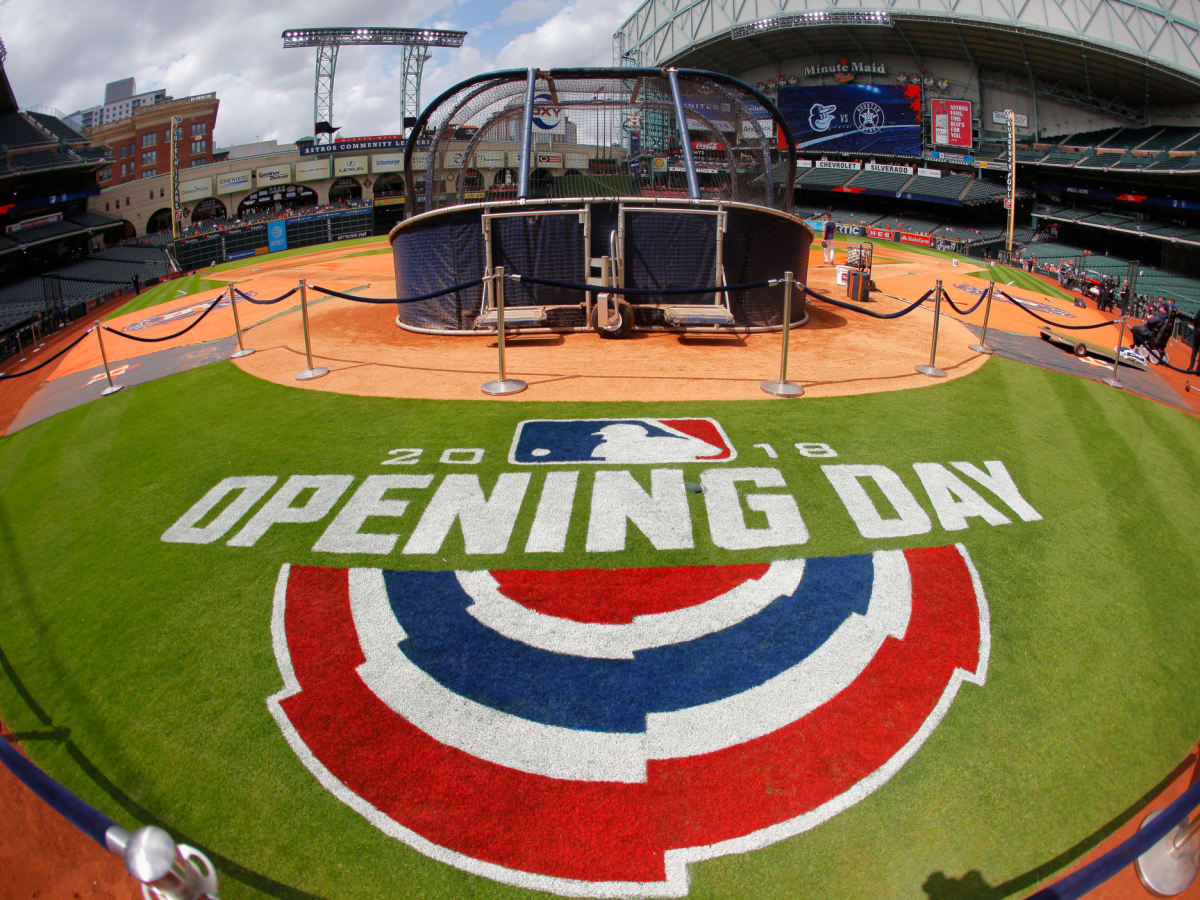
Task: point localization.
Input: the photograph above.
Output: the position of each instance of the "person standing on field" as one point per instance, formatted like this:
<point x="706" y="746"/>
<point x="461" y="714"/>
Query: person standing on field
<point x="828" y="230"/>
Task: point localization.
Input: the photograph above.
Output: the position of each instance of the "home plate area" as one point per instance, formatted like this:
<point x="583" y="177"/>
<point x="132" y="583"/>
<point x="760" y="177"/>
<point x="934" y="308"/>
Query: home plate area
<point x="592" y="732"/>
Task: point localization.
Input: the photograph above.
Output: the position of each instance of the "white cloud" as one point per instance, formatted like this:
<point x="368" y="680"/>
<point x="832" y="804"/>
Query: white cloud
<point x="579" y="34"/>
<point x="527" y="10"/>
<point x="62" y="52"/>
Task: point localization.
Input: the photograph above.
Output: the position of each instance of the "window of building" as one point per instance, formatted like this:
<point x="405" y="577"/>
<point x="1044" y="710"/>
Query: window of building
<point x="124" y="151"/>
<point x="149" y="173"/>
<point x="199" y="162"/>
<point x="106" y="206"/>
<point x="199" y="128"/>
<point x="122" y="170"/>
<point x="149" y="157"/>
<point x="149" y="139"/>
<point x="104" y="174"/>
<point x="160" y="192"/>
<point x="199" y="146"/>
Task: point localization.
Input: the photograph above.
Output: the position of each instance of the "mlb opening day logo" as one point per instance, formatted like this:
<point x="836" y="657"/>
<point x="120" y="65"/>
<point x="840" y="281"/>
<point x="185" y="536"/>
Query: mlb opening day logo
<point x="591" y="732"/>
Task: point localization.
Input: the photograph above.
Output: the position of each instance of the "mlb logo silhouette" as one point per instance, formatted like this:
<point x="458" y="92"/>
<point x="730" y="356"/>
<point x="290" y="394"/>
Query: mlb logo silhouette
<point x="627" y="441"/>
<point x="592" y="732"/>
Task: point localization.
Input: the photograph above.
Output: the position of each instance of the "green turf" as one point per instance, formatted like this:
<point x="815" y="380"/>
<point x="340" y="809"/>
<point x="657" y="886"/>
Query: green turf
<point x="295" y="251"/>
<point x="137" y="671"/>
<point x="166" y="292"/>
<point x="1007" y="276"/>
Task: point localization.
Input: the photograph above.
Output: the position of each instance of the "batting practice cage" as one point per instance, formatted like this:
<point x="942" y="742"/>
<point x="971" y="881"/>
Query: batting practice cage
<point x="610" y="199"/>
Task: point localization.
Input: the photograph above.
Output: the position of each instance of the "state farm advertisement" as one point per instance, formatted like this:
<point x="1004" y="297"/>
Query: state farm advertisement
<point x="922" y="239"/>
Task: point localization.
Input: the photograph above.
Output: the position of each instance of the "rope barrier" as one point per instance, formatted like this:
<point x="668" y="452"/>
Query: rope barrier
<point x="1097" y="872"/>
<point x="870" y="312"/>
<point x="636" y="292"/>
<point x="250" y="299"/>
<point x="167" y="337"/>
<point x="87" y="819"/>
<point x="963" y="312"/>
<point x="47" y="361"/>
<point x="450" y="290"/>
<point x="1047" y="321"/>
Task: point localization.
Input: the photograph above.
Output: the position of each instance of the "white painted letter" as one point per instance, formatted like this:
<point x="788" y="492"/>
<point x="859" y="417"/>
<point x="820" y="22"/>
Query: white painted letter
<point x="662" y="515"/>
<point x="343" y="535"/>
<point x="727" y="522"/>
<point x="553" y="517"/>
<point x="953" y="500"/>
<point x="326" y="491"/>
<point x="486" y="523"/>
<point x="253" y="488"/>
<point x="910" y="517"/>
<point x="999" y="482"/>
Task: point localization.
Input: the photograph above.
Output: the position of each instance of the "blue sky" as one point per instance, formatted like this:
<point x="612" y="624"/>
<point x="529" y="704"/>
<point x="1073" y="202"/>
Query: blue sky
<point x="62" y="52"/>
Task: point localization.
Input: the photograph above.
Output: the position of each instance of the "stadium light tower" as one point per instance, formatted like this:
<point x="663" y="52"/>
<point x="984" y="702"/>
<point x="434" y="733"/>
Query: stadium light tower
<point x="414" y="41"/>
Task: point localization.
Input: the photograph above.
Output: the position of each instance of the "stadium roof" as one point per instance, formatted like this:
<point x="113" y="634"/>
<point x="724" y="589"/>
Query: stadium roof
<point x="1118" y="56"/>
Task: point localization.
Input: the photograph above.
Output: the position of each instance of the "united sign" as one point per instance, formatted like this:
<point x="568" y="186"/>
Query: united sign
<point x="591" y="732"/>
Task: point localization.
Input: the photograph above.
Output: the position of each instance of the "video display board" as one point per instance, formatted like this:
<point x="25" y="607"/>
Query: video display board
<point x="854" y="118"/>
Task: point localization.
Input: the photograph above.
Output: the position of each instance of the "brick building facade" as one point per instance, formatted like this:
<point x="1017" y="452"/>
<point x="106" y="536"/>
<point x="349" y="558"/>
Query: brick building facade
<point x="141" y="144"/>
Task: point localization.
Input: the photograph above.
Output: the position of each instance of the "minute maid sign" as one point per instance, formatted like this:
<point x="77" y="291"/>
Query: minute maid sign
<point x="595" y="730"/>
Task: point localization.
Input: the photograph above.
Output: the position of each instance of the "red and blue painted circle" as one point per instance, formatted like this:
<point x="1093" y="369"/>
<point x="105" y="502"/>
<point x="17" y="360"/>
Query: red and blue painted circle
<point x="591" y="732"/>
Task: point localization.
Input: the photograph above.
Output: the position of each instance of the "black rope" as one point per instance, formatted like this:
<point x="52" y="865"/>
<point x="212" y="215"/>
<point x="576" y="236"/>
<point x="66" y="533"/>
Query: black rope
<point x="870" y="312"/>
<point x="1048" y="322"/>
<point x="430" y="296"/>
<point x="250" y="299"/>
<point x="609" y="289"/>
<point x="155" y="340"/>
<point x="48" y="360"/>
<point x="963" y="312"/>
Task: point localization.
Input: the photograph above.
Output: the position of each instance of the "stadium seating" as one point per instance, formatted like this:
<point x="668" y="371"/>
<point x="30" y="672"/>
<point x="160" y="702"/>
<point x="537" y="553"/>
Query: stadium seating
<point x="982" y="190"/>
<point x="41" y="159"/>
<point x="949" y="187"/>
<point x="1086" y="138"/>
<point x="816" y="177"/>
<point x="17" y="131"/>
<point x="889" y="182"/>
<point x="57" y="127"/>
<point x="912" y="224"/>
<point x="1062" y="158"/>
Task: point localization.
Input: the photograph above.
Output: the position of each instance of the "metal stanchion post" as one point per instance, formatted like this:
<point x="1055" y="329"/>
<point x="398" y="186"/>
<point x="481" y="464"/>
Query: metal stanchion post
<point x="112" y="388"/>
<point x="1171" y="865"/>
<point x="932" y="370"/>
<point x="312" y="371"/>
<point x="982" y="346"/>
<point x="1112" y="381"/>
<point x="503" y="385"/>
<point x="242" y="350"/>
<point x="168" y="870"/>
<point x="783" y="387"/>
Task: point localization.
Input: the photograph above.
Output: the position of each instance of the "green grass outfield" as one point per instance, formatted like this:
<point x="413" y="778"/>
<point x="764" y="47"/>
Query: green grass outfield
<point x="136" y="672"/>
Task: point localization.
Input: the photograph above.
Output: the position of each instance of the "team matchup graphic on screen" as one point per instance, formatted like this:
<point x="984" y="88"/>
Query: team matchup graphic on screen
<point x="596" y="728"/>
<point x="854" y="118"/>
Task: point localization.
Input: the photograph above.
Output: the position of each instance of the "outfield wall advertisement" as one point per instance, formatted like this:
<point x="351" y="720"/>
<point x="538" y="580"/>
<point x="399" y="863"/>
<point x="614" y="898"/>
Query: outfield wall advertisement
<point x="196" y="189"/>
<point x="855" y="118"/>
<point x="312" y="169"/>
<point x="232" y="182"/>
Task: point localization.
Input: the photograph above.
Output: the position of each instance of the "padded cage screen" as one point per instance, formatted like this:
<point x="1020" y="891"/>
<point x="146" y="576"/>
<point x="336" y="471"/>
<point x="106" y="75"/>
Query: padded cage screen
<point x="599" y="133"/>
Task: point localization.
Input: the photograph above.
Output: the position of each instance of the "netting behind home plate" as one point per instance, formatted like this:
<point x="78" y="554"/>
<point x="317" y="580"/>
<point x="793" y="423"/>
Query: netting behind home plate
<point x="598" y="133"/>
<point x="667" y="183"/>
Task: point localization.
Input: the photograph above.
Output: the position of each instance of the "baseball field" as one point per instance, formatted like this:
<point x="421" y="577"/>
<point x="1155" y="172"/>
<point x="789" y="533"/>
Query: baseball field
<point x="640" y="630"/>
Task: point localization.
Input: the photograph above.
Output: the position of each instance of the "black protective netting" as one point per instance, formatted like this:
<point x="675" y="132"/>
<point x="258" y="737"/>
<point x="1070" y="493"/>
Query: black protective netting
<point x="601" y="140"/>
<point x="601" y="133"/>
